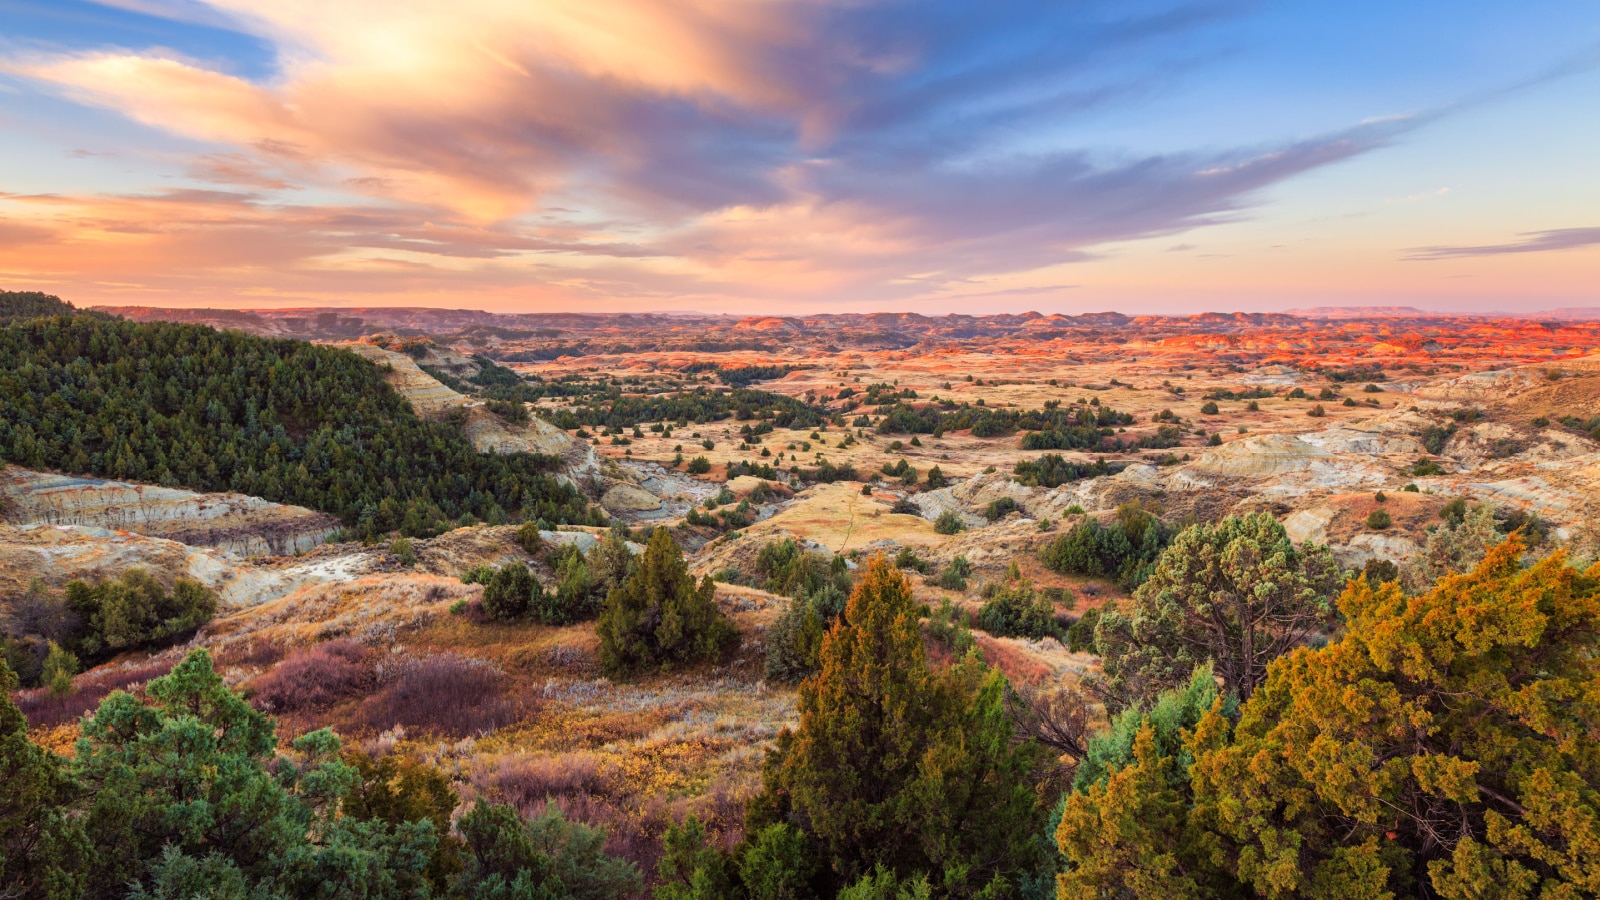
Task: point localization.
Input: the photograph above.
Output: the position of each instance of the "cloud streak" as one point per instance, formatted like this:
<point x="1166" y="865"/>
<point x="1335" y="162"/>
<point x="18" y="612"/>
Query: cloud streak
<point x="1532" y="242"/>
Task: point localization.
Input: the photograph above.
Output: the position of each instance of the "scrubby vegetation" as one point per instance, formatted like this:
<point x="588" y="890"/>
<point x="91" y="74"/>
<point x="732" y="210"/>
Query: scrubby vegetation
<point x="188" y="794"/>
<point x="289" y="421"/>
<point x="1124" y="551"/>
<point x="91" y="622"/>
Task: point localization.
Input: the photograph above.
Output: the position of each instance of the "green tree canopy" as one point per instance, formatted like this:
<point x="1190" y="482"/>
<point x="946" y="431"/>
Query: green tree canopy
<point x="1445" y="746"/>
<point x="899" y="765"/>
<point x="658" y="617"/>
<point x="1238" y="593"/>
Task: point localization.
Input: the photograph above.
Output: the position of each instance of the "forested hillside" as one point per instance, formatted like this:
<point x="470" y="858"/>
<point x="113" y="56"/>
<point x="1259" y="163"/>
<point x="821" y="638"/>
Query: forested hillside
<point x="289" y="421"/>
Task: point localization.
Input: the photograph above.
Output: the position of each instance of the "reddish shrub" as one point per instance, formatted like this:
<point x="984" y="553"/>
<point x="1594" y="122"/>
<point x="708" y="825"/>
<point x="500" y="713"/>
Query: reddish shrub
<point x="447" y="694"/>
<point x="526" y="781"/>
<point x="45" y="710"/>
<point x="314" y="677"/>
<point x="1014" y="663"/>
<point x="257" y="654"/>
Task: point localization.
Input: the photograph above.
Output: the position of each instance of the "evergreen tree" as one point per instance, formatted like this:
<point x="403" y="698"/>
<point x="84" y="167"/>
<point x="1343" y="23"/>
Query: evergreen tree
<point x="1238" y="593"/>
<point x="511" y="591"/>
<point x="1444" y="746"/>
<point x="658" y="617"/>
<point x="41" y="847"/>
<point x="894" y="764"/>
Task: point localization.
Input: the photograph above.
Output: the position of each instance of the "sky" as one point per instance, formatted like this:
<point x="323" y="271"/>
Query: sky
<point x="802" y="156"/>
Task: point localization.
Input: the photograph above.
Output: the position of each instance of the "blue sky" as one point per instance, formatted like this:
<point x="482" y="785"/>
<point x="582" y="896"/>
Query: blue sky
<point x="933" y="156"/>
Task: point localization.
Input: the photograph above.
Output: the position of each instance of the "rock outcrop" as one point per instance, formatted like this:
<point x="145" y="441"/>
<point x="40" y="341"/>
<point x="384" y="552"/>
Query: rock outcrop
<point x="246" y="525"/>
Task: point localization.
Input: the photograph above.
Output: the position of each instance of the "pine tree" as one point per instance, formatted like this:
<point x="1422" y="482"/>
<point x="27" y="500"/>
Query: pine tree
<point x="896" y="765"/>
<point x="1238" y="593"/>
<point x="658" y="617"/>
<point x="42" y="848"/>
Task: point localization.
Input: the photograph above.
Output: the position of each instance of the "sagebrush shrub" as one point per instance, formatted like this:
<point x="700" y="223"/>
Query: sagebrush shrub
<point x="315" y="677"/>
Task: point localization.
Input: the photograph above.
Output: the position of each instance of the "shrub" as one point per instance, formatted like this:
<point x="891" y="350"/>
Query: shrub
<point x="1209" y="409"/>
<point x="529" y="539"/>
<point x="402" y="551"/>
<point x="935" y="478"/>
<point x="659" y="617"/>
<point x="949" y="626"/>
<point x="1425" y="467"/>
<point x="1378" y="520"/>
<point x="904" y="507"/>
<point x="699" y="466"/>
<point x="1080" y="634"/>
<point x="954" y="577"/>
<point x="511" y="593"/>
<point x="1317" y="412"/>
<point x="546" y="856"/>
<point x="1125" y="550"/>
<point x="1016" y="610"/>
<point x="59" y="667"/>
<point x="949" y="522"/>
<point x="135" y="611"/>
<point x="314" y="677"/>
<point x="907" y="558"/>
<point x="477" y="575"/>
<point x="1000" y="508"/>
<point x="443" y="694"/>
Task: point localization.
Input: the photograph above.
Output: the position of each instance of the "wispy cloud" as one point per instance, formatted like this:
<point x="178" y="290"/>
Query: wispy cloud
<point x="644" y="147"/>
<point x="1531" y="242"/>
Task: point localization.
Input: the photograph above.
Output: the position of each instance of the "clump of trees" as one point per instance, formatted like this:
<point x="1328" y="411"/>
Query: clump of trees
<point x="1124" y="550"/>
<point x="658" y="617"/>
<point x="1012" y="608"/>
<point x="188" y="794"/>
<point x="582" y="581"/>
<point x="1416" y="755"/>
<point x="88" y="623"/>
<point x="293" y="422"/>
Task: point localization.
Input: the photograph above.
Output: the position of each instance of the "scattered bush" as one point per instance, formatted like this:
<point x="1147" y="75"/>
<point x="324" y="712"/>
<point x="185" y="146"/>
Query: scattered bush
<point x="1080" y="634"/>
<point x="402" y="552"/>
<point x="511" y="593"/>
<point x="954" y="577"/>
<point x="1378" y="520"/>
<point x="699" y="466"/>
<point x="1014" y="609"/>
<point x="1209" y="409"/>
<point x="315" y="677"/>
<point x="529" y="539"/>
<point x="949" y="522"/>
<point x="444" y="694"/>
<point x="1125" y="550"/>
<point x="477" y="575"/>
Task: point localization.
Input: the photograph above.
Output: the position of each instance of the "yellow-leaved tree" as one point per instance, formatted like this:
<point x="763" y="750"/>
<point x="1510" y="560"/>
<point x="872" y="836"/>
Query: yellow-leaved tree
<point x="1448" y="745"/>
